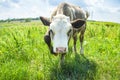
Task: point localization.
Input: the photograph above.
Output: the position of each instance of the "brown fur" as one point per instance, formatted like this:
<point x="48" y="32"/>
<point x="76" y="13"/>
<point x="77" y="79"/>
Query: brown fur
<point x="66" y="9"/>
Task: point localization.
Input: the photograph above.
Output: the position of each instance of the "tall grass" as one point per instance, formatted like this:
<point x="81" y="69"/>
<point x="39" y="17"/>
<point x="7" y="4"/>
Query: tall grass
<point x="25" y="56"/>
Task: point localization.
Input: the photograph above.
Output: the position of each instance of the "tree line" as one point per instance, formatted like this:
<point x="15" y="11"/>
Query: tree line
<point x="20" y="19"/>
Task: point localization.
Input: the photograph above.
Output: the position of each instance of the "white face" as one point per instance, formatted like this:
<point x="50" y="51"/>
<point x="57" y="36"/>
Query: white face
<point x="60" y="32"/>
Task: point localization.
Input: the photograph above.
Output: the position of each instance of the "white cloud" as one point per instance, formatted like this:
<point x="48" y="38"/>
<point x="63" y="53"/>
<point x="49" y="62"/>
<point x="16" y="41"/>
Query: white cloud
<point x="94" y="2"/>
<point x="98" y="9"/>
<point x="14" y="5"/>
<point x="103" y="12"/>
<point x="25" y="8"/>
<point x="2" y="1"/>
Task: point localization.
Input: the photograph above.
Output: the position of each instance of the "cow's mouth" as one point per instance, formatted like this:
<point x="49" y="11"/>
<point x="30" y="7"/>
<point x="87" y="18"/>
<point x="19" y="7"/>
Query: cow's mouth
<point x="59" y="50"/>
<point x="52" y="52"/>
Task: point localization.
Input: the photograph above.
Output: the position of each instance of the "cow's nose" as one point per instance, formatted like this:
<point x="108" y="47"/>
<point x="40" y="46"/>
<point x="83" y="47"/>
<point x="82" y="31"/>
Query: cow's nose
<point x="61" y="50"/>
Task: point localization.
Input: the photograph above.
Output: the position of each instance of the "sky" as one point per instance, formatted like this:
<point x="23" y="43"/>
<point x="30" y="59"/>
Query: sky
<point x="99" y="10"/>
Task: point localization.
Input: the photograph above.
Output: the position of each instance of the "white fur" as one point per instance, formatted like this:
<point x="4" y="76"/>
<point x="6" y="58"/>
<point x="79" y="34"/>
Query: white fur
<point x="60" y="26"/>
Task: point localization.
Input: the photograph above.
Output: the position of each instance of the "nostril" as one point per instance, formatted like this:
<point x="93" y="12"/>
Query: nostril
<point x="60" y="49"/>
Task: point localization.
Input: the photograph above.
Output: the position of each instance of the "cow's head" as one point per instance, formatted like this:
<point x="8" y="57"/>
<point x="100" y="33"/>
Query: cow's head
<point x="61" y="30"/>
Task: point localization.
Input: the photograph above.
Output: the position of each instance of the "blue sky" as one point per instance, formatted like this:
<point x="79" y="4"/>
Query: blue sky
<point x="100" y="10"/>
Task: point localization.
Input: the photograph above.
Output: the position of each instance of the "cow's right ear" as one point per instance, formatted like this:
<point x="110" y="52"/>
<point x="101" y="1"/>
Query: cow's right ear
<point x="45" y="21"/>
<point x="78" y="23"/>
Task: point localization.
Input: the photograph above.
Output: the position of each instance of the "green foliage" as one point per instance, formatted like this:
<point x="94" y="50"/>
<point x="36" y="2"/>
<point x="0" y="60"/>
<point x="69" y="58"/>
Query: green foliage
<point x="27" y="20"/>
<point x="20" y="19"/>
<point x="25" y="56"/>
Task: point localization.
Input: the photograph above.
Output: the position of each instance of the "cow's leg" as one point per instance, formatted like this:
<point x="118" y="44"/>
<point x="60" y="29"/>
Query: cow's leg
<point x="81" y="41"/>
<point x="62" y="59"/>
<point x="74" y="47"/>
<point x="81" y="44"/>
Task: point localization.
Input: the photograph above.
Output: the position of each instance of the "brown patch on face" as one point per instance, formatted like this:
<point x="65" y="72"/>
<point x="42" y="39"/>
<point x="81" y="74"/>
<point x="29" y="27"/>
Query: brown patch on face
<point x="47" y="40"/>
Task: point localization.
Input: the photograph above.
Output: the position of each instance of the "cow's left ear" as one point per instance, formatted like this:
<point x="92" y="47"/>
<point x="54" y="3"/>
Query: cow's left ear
<point x="78" y="23"/>
<point x="45" y="21"/>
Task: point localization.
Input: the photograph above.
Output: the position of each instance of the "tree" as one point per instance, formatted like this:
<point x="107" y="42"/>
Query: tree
<point x="27" y="20"/>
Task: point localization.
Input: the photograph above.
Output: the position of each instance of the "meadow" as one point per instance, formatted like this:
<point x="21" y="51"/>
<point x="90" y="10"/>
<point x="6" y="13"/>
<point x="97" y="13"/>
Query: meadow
<point x="25" y="56"/>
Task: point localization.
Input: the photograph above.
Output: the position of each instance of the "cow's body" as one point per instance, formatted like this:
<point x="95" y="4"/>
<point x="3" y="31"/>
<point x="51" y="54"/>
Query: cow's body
<point x="74" y="13"/>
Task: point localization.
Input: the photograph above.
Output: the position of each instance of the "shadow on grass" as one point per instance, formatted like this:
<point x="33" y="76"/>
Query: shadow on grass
<point x="76" y="68"/>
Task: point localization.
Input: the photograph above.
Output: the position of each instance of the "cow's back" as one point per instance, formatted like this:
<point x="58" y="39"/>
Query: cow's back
<point x="74" y="12"/>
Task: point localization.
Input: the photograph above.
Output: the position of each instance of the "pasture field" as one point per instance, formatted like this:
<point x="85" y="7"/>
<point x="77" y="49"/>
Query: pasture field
<point x="25" y="56"/>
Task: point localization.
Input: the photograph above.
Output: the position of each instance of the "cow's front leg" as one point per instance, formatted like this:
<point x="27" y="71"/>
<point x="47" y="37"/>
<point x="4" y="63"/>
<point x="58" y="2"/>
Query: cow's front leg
<point x="81" y="43"/>
<point x="74" y="47"/>
<point x="47" y="40"/>
<point x="62" y="59"/>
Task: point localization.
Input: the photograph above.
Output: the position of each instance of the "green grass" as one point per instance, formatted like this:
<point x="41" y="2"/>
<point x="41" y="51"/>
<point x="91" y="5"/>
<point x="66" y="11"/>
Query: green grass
<point x="25" y="56"/>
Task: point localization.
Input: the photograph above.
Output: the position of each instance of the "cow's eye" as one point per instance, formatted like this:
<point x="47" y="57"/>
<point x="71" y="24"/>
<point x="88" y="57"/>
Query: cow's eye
<point x="68" y="33"/>
<point x="51" y="32"/>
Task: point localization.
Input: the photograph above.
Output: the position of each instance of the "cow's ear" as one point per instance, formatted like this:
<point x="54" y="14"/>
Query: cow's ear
<point x="45" y="21"/>
<point x="78" y="23"/>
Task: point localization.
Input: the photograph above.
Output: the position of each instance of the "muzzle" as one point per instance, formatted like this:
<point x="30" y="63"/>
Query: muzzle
<point x="60" y="50"/>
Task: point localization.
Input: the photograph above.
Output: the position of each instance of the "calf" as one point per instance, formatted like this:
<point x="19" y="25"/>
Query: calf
<point x="66" y="21"/>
